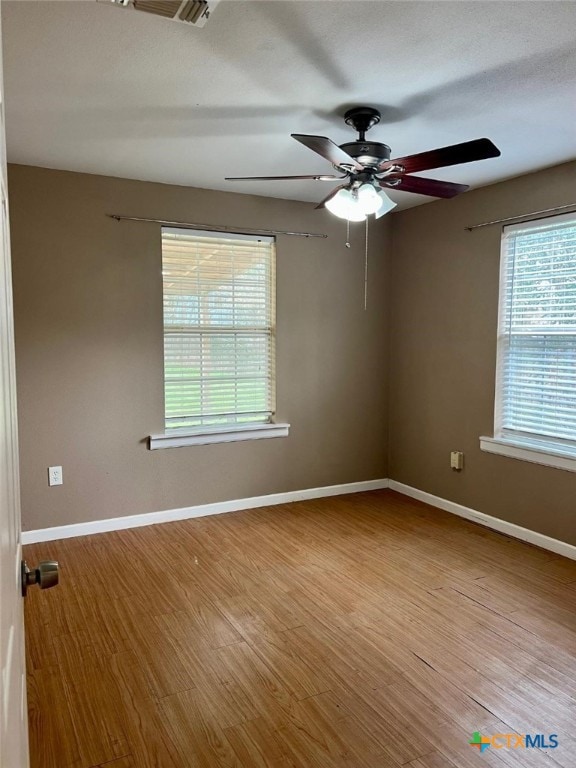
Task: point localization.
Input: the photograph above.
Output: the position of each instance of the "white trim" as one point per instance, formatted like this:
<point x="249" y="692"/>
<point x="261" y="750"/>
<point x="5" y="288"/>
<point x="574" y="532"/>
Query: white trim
<point x="230" y="434"/>
<point x="537" y="454"/>
<point x="217" y="234"/>
<point x="201" y="510"/>
<point x="502" y="526"/>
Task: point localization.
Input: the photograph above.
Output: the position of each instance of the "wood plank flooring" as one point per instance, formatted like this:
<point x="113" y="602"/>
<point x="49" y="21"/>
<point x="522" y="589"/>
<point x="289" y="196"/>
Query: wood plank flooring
<point x="364" y="631"/>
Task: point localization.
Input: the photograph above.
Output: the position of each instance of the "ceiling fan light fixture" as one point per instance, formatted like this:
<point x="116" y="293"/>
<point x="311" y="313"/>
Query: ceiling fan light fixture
<point x="345" y="205"/>
<point x="357" y="204"/>
<point x="369" y="199"/>
<point x="386" y="205"/>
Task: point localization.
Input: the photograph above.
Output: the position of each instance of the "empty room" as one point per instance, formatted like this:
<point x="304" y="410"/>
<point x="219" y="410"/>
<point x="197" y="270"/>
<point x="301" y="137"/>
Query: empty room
<point x="288" y="384"/>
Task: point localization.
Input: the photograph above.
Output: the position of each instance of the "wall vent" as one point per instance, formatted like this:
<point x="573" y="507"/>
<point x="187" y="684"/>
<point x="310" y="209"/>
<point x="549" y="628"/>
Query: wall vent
<point x="196" y="12"/>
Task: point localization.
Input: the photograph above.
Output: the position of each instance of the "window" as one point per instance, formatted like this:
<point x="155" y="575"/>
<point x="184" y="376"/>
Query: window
<point x="535" y="415"/>
<point x="219" y="337"/>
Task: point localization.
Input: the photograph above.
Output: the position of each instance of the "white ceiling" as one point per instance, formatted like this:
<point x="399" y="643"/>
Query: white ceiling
<point x="106" y="90"/>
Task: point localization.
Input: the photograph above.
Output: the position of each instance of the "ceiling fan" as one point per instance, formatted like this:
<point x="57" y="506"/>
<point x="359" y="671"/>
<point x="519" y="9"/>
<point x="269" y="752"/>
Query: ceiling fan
<point x="367" y="169"/>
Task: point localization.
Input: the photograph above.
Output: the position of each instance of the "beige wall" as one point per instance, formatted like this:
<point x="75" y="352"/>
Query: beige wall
<point x="443" y="315"/>
<point x="88" y="307"/>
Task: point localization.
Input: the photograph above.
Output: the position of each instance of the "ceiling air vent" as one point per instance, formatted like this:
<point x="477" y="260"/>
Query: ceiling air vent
<point x="196" y="12"/>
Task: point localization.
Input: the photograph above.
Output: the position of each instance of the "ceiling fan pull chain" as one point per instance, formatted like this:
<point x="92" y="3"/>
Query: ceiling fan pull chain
<point x="347" y="243"/>
<point x="366" y="268"/>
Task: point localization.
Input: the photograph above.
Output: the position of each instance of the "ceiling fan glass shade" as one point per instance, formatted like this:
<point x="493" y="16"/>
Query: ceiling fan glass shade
<point x="346" y="206"/>
<point x="369" y="200"/>
<point x="387" y="204"/>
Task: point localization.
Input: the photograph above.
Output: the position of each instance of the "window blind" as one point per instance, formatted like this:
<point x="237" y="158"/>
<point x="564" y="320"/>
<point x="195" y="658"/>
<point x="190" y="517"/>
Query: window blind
<point x="219" y="317"/>
<point x="536" y="371"/>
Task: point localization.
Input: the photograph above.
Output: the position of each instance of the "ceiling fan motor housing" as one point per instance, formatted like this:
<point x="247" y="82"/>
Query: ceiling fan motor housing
<point x="368" y="153"/>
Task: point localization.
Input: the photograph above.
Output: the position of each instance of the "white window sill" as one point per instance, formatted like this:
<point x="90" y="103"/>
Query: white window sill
<point x="537" y="453"/>
<point x="178" y="438"/>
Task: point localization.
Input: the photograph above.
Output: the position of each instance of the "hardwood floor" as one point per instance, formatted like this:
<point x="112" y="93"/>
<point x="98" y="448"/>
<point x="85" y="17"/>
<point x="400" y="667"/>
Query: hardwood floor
<point x="365" y="631"/>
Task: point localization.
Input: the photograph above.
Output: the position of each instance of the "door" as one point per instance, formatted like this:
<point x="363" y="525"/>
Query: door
<point x="13" y="727"/>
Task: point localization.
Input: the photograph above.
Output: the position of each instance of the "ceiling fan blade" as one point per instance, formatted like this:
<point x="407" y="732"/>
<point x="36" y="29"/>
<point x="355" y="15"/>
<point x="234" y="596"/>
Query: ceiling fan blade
<point x="326" y="147"/>
<point x="334" y="192"/>
<point x="323" y="177"/>
<point x="467" y="152"/>
<point x="423" y="186"/>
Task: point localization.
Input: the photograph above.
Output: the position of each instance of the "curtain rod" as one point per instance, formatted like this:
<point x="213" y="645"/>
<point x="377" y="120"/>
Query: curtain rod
<point x="551" y="211"/>
<point x="214" y="227"/>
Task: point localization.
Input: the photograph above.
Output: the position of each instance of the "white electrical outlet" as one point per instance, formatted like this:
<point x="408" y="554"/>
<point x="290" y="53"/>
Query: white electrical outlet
<point x="55" y="476"/>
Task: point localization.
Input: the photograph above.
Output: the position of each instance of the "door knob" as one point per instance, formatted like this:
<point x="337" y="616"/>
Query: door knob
<point x="45" y="575"/>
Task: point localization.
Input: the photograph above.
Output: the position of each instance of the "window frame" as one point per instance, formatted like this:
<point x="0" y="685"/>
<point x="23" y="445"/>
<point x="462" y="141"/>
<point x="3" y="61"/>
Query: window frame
<point x="174" y="437"/>
<point x="540" y="449"/>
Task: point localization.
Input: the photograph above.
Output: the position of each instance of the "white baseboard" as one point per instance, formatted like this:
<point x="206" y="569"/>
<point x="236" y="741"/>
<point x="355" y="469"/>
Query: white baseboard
<point x="235" y="505"/>
<point x="201" y="510"/>
<point x="502" y="526"/>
